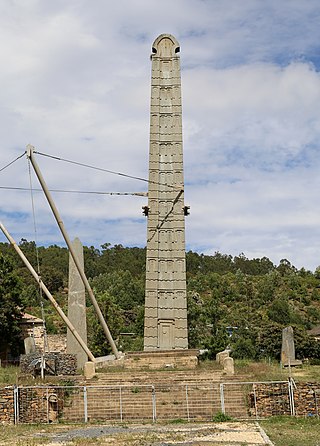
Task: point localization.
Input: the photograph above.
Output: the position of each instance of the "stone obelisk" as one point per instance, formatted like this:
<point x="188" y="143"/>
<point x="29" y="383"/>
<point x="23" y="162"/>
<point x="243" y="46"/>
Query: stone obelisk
<point x="77" y="306"/>
<point x="165" y="325"/>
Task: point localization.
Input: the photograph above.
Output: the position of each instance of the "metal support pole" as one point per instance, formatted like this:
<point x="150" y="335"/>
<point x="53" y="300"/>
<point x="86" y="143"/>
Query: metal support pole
<point x="47" y="398"/>
<point x="154" y="404"/>
<point x="120" y="401"/>
<point x="291" y="397"/>
<point x="255" y="400"/>
<point x="187" y="403"/>
<point x="72" y="252"/>
<point x="85" y="404"/>
<point x="48" y="294"/>
<point x="223" y="409"/>
<point x="16" y="404"/>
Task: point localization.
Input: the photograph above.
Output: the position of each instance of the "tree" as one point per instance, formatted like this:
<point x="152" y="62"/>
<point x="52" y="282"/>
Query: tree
<point x="112" y="313"/>
<point x="11" y="308"/>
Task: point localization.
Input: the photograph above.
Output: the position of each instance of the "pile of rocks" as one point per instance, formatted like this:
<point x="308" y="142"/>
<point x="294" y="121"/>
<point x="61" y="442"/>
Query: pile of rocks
<point x="40" y="404"/>
<point x="269" y="399"/>
<point x="273" y="399"/>
<point x="56" y="363"/>
<point x="6" y="405"/>
<point x="307" y="399"/>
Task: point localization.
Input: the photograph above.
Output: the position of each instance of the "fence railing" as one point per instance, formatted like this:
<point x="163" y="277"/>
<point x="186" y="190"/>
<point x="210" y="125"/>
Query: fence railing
<point x="190" y="402"/>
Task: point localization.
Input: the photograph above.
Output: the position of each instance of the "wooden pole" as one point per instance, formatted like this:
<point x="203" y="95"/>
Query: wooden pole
<point x="48" y="294"/>
<point x="72" y="252"/>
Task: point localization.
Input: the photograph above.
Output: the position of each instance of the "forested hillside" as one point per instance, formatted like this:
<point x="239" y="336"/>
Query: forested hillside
<point x="250" y="299"/>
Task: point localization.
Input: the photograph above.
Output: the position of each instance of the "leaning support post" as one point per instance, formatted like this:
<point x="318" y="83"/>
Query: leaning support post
<point x="72" y="252"/>
<point x="48" y="294"/>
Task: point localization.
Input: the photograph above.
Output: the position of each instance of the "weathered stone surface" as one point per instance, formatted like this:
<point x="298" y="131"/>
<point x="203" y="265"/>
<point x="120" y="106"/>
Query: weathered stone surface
<point x="29" y="345"/>
<point x="165" y="265"/>
<point x="288" y="356"/>
<point x="6" y="405"/>
<point x="162" y="359"/>
<point x="77" y="306"/>
<point x="89" y="370"/>
<point x="228" y="366"/>
<point x="221" y="356"/>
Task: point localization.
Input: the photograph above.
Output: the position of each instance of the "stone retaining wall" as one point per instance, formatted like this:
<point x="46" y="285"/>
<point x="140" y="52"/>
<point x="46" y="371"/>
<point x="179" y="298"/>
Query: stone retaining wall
<point x="6" y="405"/>
<point x="45" y="404"/>
<point x="266" y="401"/>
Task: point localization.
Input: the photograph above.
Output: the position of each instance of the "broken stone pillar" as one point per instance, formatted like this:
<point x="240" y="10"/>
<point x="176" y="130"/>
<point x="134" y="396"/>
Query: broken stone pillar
<point x="89" y="370"/>
<point x="220" y="357"/>
<point x="228" y="365"/>
<point x="77" y="306"/>
<point x="165" y="326"/>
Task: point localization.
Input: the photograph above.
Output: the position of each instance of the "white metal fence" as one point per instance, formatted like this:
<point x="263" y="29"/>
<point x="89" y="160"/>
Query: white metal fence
<point x="191" y="402"/>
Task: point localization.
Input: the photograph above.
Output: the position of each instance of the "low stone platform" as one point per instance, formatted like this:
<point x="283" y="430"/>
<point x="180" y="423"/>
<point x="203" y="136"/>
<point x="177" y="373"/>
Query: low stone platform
<point x="153" y="360"/>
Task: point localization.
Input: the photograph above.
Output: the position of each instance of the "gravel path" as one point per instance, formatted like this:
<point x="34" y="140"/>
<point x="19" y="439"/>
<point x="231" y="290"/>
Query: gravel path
<point x="200" y="434"/>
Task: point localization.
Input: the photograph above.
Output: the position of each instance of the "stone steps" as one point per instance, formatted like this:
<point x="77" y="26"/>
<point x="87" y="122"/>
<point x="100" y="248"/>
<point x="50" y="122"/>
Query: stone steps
<point x="188" y="394"/>
<point x="161" y="377"/>
<point x="175" y="400"/>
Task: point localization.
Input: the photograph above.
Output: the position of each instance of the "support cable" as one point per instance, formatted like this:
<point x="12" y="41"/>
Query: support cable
<point x="20" y="156"/>
<point x="45" y="337"/>
<point x="136" y="194"/>
<point x="104" y="170"/>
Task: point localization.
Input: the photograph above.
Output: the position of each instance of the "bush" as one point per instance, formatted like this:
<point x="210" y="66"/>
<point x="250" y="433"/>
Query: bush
<point x="221" y="417"/>
<point x="243" y="348"/>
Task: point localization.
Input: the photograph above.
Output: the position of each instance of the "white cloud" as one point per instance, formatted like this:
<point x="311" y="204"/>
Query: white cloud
<point x="75" y="83"/>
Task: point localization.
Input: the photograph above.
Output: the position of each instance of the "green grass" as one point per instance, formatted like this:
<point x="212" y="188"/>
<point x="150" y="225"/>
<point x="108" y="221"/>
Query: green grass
<point x="291" y="431"/>
<point x="9" y="375"/>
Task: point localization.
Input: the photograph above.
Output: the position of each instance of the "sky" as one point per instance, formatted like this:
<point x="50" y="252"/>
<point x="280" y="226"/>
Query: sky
<point x="75" y="83"/>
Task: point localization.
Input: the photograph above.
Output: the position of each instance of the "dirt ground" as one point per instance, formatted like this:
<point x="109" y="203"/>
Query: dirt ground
<point x="200" y="434"/>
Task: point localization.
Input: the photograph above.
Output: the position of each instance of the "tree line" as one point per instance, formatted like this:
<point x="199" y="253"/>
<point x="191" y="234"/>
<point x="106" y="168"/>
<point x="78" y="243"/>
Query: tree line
<point x="232" y="301"/>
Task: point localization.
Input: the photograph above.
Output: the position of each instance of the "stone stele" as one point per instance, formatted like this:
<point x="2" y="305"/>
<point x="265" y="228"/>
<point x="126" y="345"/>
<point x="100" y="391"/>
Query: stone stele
<point x="165" y="326"/>
<point x="288" y="357"/>
<point x="29" y="345"/>
<point x="77" y="306"/>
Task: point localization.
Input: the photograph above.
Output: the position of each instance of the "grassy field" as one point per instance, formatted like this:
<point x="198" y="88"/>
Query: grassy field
<point x="9" y="375"/>
<point x="252" y="371"/>
<point x="289" y="431"/>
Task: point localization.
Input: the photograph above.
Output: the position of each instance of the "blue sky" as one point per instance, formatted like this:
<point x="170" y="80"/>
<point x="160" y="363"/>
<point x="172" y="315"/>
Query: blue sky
<point x="75" y="83"/>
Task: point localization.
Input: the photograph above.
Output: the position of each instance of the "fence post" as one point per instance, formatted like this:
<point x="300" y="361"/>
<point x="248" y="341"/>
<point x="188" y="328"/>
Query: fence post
<point x="316" y="401"/>
<point x="255" y="399"/>
<point x="16" y="404"/>
<point x="85" y="404"/>
<point x="187" y="401"/>
<point x="291" y="397"/>
<point x="223" y="409"/>
<point x="154" y="406"/>
<point x="47" y="397"/>
<point x="120" y="400"/>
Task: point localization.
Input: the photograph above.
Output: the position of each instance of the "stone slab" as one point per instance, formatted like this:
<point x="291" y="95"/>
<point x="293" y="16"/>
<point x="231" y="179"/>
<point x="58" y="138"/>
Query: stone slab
<point x="155" y="360"/>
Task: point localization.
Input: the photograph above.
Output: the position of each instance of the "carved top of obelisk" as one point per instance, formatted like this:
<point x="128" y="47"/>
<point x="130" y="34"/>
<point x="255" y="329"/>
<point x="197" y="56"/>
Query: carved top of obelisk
<point x="165" y="45"/>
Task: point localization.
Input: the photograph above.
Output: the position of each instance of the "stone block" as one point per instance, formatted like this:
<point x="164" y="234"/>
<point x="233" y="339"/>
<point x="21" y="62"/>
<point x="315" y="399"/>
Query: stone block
<point x="228" y="365"/>
<point x="220" y="357"/>
<point x="89" y="370"/>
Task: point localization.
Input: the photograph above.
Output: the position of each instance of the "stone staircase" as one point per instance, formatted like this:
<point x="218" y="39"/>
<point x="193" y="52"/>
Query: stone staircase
<point x="162" y="395"/>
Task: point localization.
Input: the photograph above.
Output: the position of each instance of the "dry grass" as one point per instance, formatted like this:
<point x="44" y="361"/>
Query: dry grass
<point x="263" y="371"/>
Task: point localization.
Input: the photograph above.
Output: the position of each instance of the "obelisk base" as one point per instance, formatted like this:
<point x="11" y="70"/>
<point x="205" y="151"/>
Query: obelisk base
<point x="155" y="360"/>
